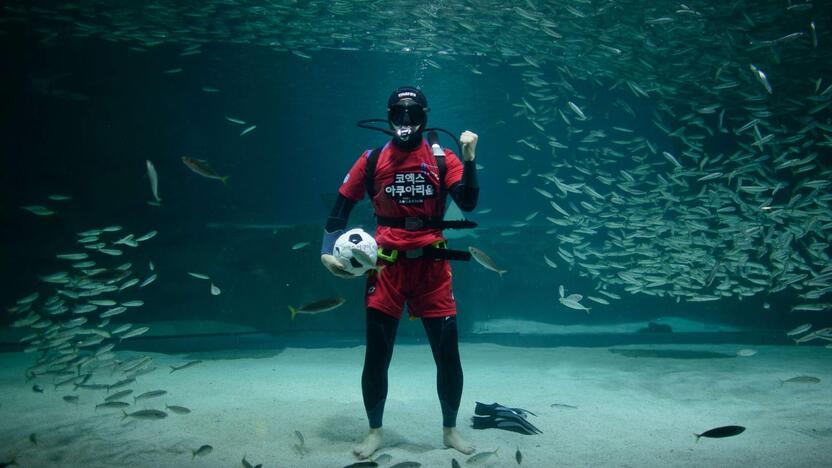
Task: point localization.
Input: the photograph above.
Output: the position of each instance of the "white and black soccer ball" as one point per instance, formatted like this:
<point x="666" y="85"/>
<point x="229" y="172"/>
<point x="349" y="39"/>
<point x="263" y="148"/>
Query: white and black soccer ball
<point x="352" y="241"/>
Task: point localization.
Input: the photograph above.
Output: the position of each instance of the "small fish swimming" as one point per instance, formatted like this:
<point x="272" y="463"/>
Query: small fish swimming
<point x="483" y="259"/>
<point x="134" y="332"/>
<point x="481" y="458"/>
<point x="72" y="256"/>
<point x="720" y="432"/>
<point x="248" y="130"/>
<point x="113" y="311"/>
<point x="120" y="329"/>
<point x="577" y="110"/>
<point x="103" y="302"/>
<point x="150" y="394"/>
<point x="215" y="290"/>
<point x="149" y="235"/>
<point x="148" y="280"/>
<point x="799" y="329"/>
<point x="202" y="451"/>
<point x="154" y="181"/>
<point x="598" y="300"/>
<point x="573" y="304"/>
<point x="317" y="307"/>
<point x="761" y="77"/>
<point x="38" y="210"/>
<point x="199" y="275"/>
<point x="112" y="405"/>
<point x="201" y="167"/>
<point x="184" y="366"/>
<point x="299" y="245"/>
<point x="28" y="299"/>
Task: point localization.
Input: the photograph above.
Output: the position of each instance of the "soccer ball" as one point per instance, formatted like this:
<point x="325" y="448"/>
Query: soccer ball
<point x="357" y="251"/>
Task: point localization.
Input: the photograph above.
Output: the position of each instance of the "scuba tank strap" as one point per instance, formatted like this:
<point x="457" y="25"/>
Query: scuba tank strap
<point x="370" y="173"/>
<point x="439" y="156"/>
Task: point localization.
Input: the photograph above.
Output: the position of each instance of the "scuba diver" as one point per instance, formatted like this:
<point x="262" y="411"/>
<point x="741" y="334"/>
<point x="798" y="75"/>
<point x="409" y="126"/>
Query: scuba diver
<point x="407" y="181"/>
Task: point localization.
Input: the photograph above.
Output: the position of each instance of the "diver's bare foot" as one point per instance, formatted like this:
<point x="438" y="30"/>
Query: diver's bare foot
<point x="452" y="439"/>
<point x="370" y="444"/>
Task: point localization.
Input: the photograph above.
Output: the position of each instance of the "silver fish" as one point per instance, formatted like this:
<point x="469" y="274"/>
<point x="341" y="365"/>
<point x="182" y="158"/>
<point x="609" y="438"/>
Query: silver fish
<point x="799" y="329"/>
<point x="317" y="307"/>
<point x="154" y="181"/>
<point x="135" y="332"/>
<point x="481" y="458"/>
<point x="483" y="259"/>
<point x="573" y="304"/>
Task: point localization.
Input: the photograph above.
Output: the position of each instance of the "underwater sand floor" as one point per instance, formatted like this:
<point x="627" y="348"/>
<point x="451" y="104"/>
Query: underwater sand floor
<point x="631" y="411"/>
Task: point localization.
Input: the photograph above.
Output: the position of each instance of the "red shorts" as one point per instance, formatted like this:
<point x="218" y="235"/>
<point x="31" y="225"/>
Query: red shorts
<point x="423" y="283"/>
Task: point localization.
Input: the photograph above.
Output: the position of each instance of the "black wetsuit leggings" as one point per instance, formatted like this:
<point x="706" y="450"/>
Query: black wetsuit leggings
<point x="444" y="343"/>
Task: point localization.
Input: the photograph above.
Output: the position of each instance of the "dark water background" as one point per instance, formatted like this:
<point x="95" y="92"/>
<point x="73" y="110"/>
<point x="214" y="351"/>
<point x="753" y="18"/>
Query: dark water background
<point x="94" y="149"/>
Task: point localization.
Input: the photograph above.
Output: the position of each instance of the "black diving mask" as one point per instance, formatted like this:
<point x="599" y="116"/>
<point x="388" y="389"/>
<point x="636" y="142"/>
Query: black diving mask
<point x="407" y="118"/>
<point x="407" y="112"/>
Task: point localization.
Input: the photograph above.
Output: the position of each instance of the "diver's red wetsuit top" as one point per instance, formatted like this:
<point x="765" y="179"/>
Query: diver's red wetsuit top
<point x="407" y="184"/>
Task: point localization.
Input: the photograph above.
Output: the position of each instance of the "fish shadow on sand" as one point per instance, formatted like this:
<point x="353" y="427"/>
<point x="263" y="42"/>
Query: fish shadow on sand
<point x="231" y="354"/>
<point x="670" y="354"/>
<point x="824" y="433"/>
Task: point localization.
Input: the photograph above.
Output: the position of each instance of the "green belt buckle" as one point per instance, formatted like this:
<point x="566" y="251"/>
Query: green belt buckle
<point x="388" y="255"/>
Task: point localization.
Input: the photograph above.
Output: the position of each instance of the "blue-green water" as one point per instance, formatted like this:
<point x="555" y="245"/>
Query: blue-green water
<point x="685" y="149"/>
<point x="83" y="114"/>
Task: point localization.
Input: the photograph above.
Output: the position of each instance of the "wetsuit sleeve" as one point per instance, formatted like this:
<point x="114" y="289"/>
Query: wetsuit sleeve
<point x="336" y="223"/>
<point x="351" y="191"/>
<point x="353" y="185"/>
<point x="461" y="179"/>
